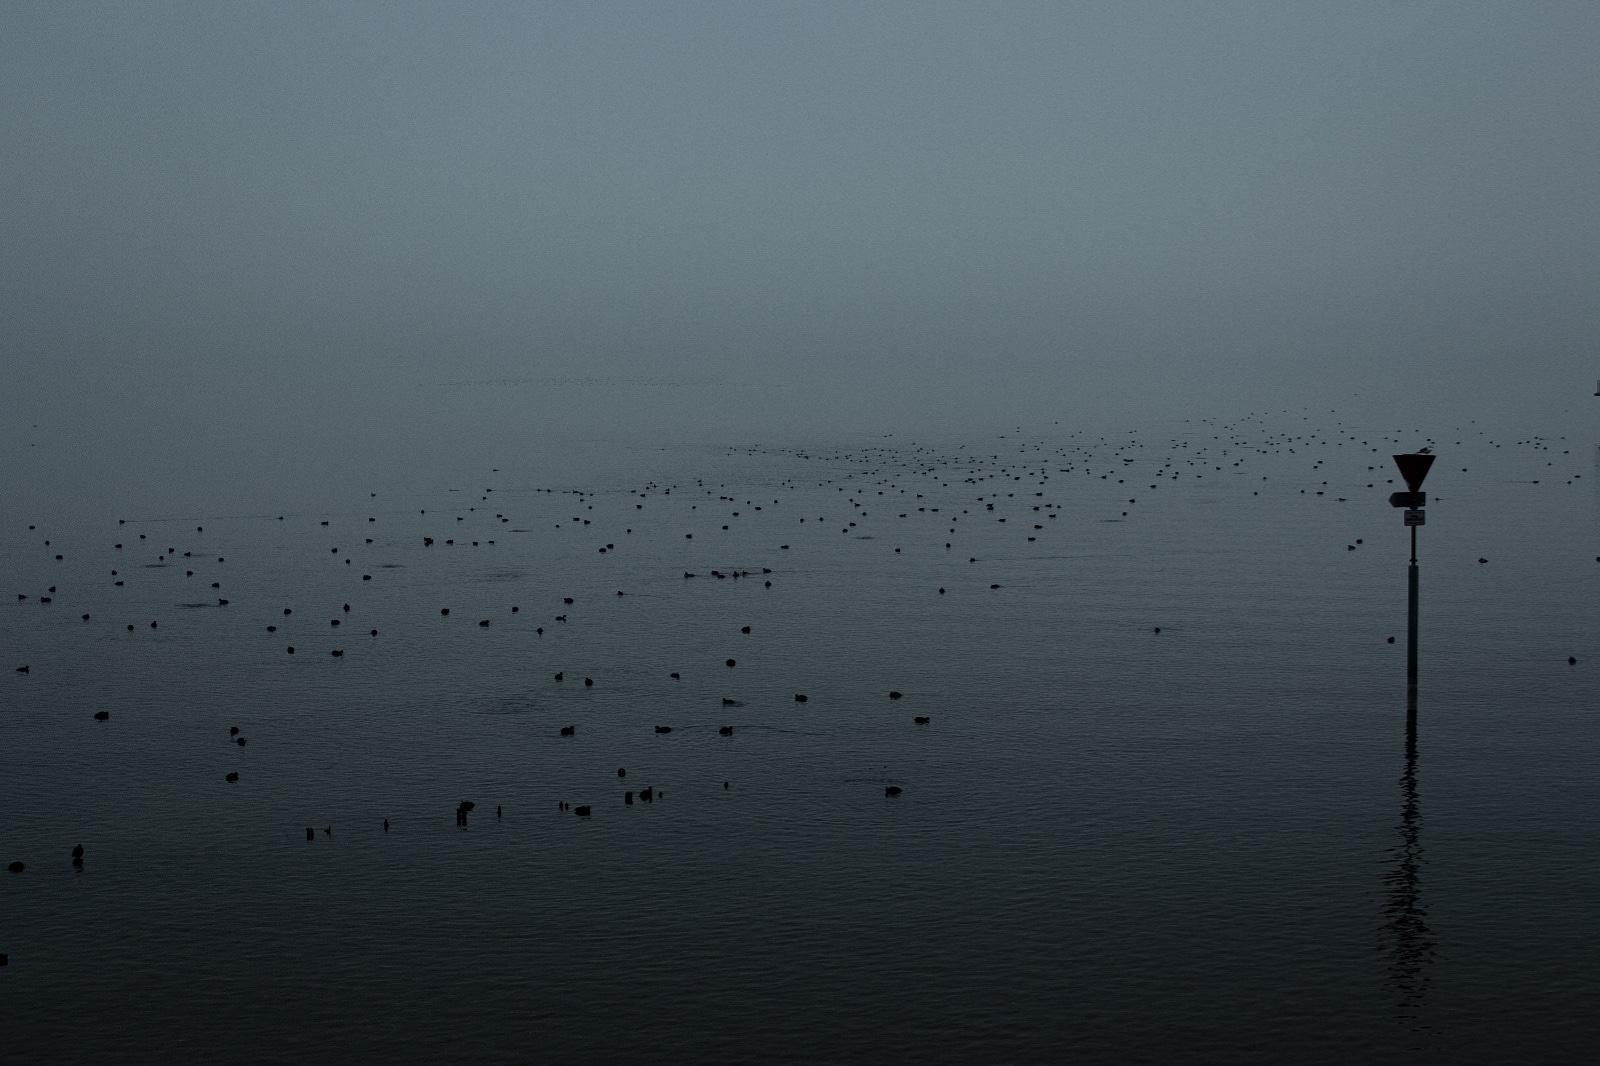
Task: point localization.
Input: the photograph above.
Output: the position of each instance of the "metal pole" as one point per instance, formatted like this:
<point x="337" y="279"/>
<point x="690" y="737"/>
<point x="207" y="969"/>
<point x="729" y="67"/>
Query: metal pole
<point x="1411" y="621"/>
<point x="1413" y="468"/>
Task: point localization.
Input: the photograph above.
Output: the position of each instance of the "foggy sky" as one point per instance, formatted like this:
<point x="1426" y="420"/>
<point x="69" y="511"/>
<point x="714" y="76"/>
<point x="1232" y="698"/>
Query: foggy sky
<point x="922" y="210"/>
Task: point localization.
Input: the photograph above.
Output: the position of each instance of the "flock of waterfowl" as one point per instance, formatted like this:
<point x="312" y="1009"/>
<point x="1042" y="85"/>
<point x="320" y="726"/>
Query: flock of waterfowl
<point x="918" y="499"/>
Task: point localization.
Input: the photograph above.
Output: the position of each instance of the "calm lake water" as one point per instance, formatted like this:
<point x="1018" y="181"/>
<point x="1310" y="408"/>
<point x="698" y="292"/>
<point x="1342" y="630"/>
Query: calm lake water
<point x="1161" y="810"/>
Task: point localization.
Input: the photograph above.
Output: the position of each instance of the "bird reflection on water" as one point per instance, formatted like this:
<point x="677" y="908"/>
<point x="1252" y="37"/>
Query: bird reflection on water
<point x="1409" y="941"/>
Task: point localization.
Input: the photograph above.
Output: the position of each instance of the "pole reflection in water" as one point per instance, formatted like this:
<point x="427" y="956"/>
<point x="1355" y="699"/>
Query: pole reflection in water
<point x="1410" y="942"/>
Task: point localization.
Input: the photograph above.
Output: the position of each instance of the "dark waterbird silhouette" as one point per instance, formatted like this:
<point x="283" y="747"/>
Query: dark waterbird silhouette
<point x="892" y="790"/>
<point x="101" y="716"/>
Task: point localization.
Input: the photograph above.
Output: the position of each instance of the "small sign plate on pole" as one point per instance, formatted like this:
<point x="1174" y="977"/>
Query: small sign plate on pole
<point x="1415" y="517"/>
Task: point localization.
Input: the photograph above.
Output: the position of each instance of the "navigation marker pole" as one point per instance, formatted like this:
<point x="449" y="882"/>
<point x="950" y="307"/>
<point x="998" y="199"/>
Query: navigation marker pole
<point x="1411" y="604"/>
<point x="1414" y="468"/>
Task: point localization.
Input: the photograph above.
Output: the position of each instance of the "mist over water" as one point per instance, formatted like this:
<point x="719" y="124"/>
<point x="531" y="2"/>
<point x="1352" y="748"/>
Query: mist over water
<point x="237" y="231"/>
<point x="255" y="443"/>
<point x="1038" y="363"/>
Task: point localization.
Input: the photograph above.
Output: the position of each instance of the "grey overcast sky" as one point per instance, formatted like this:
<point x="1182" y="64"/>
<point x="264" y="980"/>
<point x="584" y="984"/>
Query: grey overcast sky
<point x="1018" y="208"/>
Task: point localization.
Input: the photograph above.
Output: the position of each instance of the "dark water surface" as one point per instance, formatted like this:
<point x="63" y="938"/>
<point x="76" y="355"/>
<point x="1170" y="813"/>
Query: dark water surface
<point x="1205" y="843"/>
